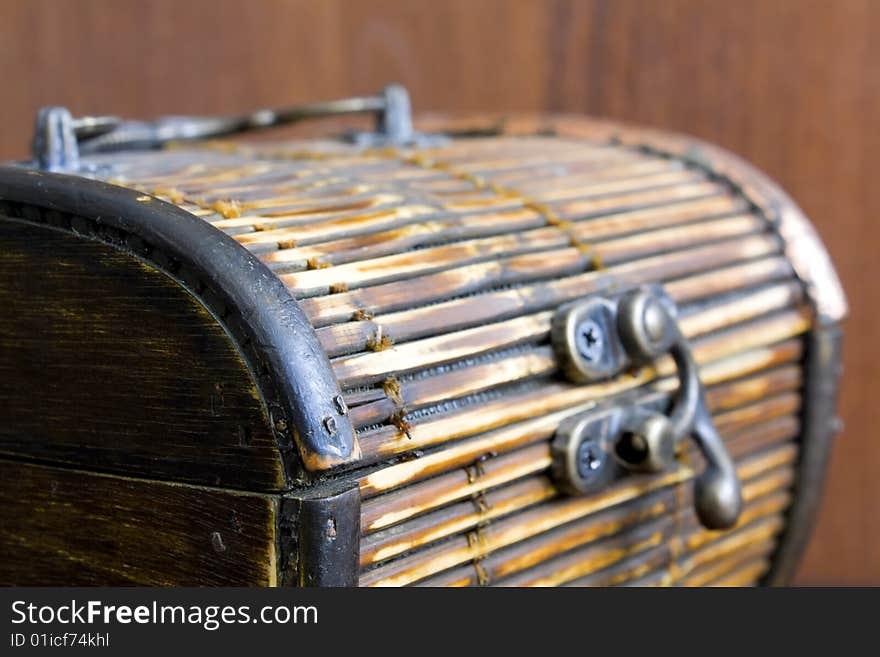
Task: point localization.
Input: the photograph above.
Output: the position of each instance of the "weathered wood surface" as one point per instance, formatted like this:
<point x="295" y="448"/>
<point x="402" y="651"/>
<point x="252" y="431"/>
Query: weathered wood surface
<point x="106" y="363"/>
<point x="61" y="527"/>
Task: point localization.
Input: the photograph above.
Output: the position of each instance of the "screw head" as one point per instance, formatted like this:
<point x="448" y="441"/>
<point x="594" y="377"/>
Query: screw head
<point x="582" y="460"/>
<point x="590" y="341"/>
<point x="590" y="458"/>
<point x="330" y="425"/>
<point x="584" y="338"/>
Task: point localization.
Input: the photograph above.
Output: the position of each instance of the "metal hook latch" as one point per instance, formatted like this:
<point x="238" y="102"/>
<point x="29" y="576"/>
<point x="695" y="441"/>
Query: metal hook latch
<point x="597" y="339"/>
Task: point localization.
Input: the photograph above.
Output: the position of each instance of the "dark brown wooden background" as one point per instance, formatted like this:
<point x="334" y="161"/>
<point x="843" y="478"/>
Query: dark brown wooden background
<point x="792" y="85"/>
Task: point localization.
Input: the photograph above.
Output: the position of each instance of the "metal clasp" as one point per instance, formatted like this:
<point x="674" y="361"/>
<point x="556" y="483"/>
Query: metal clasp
<point x="598" y="338"/>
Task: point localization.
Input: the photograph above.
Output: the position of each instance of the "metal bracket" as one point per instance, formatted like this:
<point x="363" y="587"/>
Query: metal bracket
<point x="599" y="338"/>
<point x="320" y="539"/>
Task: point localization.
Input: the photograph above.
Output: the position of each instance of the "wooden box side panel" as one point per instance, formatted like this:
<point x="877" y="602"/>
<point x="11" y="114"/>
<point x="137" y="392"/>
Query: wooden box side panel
<point x="67" y="527"/>
<point x="106" y="363"/>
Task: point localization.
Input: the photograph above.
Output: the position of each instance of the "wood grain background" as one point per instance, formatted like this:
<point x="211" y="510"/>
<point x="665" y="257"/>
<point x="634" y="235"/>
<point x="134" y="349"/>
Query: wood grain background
<point x="792" y="85"/>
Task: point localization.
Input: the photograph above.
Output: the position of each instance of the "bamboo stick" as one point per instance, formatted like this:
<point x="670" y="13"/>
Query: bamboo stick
<point x="517" y="528"/>
<point x="541" y="428"/>
<point x="482" y="508"/>
<point x="423" y="289"/>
